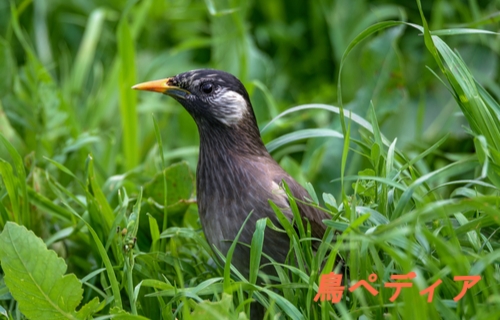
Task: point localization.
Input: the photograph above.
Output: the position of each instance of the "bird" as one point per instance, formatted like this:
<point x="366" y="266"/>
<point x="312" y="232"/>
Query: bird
<point x="235" y="176"/>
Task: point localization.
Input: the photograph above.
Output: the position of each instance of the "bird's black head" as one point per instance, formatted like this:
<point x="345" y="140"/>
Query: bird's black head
<point x="212" y="96"/>
<point x="217" y="101"/>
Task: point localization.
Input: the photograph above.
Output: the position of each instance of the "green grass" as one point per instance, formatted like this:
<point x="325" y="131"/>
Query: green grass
<point x="388" y="113"/>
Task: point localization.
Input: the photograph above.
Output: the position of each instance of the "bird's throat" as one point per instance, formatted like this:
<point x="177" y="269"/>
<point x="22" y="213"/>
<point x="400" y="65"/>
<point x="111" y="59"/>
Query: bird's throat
<point x="242" y="139"/>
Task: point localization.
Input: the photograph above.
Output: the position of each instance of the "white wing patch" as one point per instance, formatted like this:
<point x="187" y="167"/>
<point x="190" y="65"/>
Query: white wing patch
<point x="278" y="190"/>
<point x="281" y="200"/>
<point x="233" y="107"/>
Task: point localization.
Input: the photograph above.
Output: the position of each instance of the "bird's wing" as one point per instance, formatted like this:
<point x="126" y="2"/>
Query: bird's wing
<point x="314" y="215"/>
<point x="273" y="175"/>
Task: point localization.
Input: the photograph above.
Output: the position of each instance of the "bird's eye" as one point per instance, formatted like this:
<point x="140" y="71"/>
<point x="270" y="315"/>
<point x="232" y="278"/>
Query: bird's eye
<point x="207" y="87"/>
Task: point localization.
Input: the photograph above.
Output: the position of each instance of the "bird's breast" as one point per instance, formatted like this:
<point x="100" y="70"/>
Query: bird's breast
<point x="228" y="190"/>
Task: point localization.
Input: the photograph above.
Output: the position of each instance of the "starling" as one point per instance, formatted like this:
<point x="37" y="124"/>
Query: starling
<point x="236" y="175"/>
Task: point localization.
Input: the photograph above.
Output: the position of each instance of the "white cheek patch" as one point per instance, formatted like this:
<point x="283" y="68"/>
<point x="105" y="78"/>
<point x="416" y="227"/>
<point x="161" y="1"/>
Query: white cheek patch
<point x="232" y="107"/>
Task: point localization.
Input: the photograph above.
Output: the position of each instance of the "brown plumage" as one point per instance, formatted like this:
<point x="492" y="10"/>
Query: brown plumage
<point x="236" y="174"/>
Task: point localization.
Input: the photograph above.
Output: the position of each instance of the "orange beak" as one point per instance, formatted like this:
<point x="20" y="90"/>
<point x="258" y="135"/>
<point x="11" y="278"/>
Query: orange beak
<point x="163" y="86"/>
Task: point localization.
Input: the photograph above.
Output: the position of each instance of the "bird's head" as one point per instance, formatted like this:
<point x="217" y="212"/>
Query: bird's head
<point x="208" y="95"/>
<point x="218" y="102"/>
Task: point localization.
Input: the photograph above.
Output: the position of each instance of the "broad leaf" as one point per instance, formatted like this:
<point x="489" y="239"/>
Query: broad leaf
<point x="180" y="185"/>
<point x="35" y="277"/>
<point x="217" y="310"/>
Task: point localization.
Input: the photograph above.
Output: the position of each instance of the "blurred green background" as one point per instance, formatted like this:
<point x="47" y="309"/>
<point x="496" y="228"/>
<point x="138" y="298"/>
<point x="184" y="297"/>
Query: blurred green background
<point x="66" y="68"/>
<point x="68" y="65"/>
